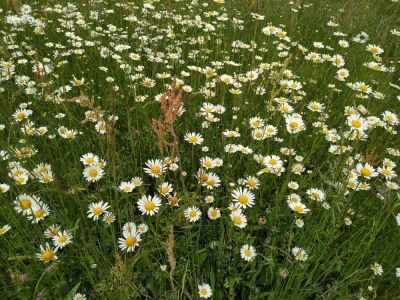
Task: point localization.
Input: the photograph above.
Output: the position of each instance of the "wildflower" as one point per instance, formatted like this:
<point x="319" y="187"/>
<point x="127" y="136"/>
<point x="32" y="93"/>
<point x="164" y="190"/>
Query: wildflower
<point x="193" y="214"/>
<point x="97" y="209"/>
<point x="62" y="239"/>
<point x="93" y="173"/>
<point x="366" y="170"/>
<point x="247" y="252"/>
<point x="47" y="253"/>
<point x="377" y="269"/>
<point x="243" y="197"/>
<point x="299" y="207"/>
<point x="79" y="296"/>
<point x="299" y="254"/>
<point x="194" y="138"/>
<point x="205" y="289"/>
<point x="129" y="241"/>
<point x="155" y="168"/>
<point x="239" y="219"/>
<point x="149" y="205"/>
<point x="213" y="213"/>
<point x="4" y="229"/>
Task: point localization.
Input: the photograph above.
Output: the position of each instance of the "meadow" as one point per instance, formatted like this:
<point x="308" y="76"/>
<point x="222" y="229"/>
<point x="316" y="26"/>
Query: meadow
<point x="199" y="149"/>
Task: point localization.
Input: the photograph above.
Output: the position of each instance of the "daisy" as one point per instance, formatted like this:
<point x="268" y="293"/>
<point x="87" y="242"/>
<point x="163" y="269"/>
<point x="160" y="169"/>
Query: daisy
<point x="316" y="194"/>
<point x="108" y="217"/>
<point x="4" y="229"/>
<point x="149" y="205"/>
<point x="239" y="219"/>
<point x="247" y="252"/>
<point x="173" y="200"/>
<point x="377" y="269"/>
<point x="79" y="296"/>
<point x="193" y="214"/>
<point x="52" y="231"/>
<point x="299" y="223"/>
<point x="213" y="213"/>
<point x="299" y="207"/>
<point x="259" y="134"/>
<point x="194" y="138"/>
<point x="129" y="241"/>
<point x="137" y="181"/>
<point x="207" y="162"/>
<point x="47" y="253"/>
<point x="243" y="197"/>
<point x="129" y="228"/>
<point x="22" y="114"/>
<point x="97" y="209"/>
<point x="252" y="182"/>
<point x="293" y="185"/>
<point x="273" y="161"/>
<point x="24" y="203"/>
<point x="356" y="122"/>
<point x="374" y="49"/>
<point x="212" y="181"/>
<point x="142" y="228"/>
<point x="256" y="122"/>
<point x="126" y="187"/>
<point x="39" y="211"/>
<point x="62" y="239"/>
<point x="366" y="170"/>
<point x="93" y="173"/>
<point x="165" y="189"/>
<point x="77" y="82"/>
<point x="155" y="168"/>
<point x="204" y="291"/>
<point x="294" y="124"/>
<point x="387" y="172"/>
<point x="299" y="254"/>
<point x="4" y="188"/>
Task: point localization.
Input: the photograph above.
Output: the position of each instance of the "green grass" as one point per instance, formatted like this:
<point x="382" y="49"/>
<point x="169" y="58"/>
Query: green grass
<point x="339" y="255"/>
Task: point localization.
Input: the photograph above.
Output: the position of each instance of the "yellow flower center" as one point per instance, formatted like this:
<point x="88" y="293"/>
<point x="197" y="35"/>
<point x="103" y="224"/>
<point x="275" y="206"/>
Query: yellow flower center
<point x="25" y="204"/>
<point x="203" y="291"/>
<point x="47" y="255"/>
<point x="356" y="123"/>
<point x="193" y="139"/>
<point x="208" y="163"/>
<point x="192" y="213"/>
<point x="93" y="172"/>
<point x="365" y="172"/>
<point x="53" y="232"/>
<point x="237" y="220"/>
<point x="298" y="208"/>
<point x="130" y="241"/>
<point x="39" y="213"/>
<point x="97" y="210"/>
<point x="155" y="169"/>
<point x="62" y="239"/>
<point x="243" y="199"/>
<point x="21" y="115"/>
<point x="149" y="205"/>
<point x="247" y="252"/>
<point x="21" y="180"/>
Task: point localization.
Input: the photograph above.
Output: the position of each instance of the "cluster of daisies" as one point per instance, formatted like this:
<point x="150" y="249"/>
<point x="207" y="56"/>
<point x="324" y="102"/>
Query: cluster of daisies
<point x="94" y="167"/>
<point x="60" y="238"/>
<point x="259" y="112"/>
